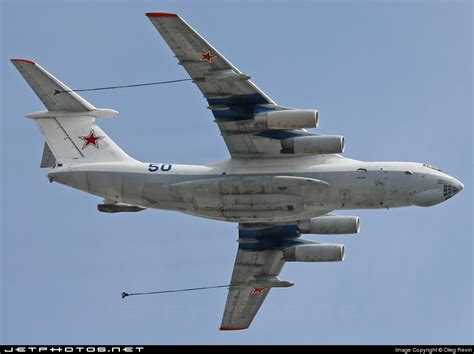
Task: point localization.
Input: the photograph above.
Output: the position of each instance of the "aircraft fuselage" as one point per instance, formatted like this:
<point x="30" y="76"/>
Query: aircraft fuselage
<point x="223" y="191"/>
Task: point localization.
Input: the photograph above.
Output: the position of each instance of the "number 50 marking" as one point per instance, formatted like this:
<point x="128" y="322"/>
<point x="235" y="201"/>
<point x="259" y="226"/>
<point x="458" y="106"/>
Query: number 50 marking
<point x="163" y="167"/>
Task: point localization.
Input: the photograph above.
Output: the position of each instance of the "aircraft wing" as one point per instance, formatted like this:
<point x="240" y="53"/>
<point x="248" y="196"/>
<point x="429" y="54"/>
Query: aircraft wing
<point x="232" y="97"/>
<point x="259" y="261"/>
<point x="243" y="302"/>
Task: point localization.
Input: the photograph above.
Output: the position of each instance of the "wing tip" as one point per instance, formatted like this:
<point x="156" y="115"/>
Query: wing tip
<point x="232" y="328"/>
<point x="160" y="14"/>
<point x="23" y="60"/>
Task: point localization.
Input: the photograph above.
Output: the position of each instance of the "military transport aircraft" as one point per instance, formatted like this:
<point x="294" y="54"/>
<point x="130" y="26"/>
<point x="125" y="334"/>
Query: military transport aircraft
<point x="280" y="182"/>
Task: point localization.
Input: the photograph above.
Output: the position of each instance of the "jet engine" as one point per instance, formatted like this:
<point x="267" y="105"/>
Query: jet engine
<point x="288" y="119"/>
<point x="331" y="224"/>
<point x="319" y="144"/>
<point x="314" y="253"/>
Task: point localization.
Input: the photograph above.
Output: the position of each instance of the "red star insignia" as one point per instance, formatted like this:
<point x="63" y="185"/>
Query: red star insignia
<point x="258" y="291"/>
<point x="207" y="56"/>
<point x="91" y="139"/>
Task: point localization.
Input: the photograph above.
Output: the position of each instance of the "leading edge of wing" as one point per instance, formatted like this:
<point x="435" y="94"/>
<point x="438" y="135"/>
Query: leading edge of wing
<point x="196" y="40"/>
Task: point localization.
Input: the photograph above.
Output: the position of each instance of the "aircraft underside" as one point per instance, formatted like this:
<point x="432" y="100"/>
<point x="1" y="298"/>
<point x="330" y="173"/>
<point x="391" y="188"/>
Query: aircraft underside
<point x="280" y="182"/>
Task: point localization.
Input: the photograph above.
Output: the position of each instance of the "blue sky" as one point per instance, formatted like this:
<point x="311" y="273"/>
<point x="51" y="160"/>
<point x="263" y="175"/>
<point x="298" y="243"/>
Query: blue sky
<point x="394" y="77"/>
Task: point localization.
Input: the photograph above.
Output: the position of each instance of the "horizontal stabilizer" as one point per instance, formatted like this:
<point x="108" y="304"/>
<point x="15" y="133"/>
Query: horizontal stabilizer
<point x="55" y="95"/>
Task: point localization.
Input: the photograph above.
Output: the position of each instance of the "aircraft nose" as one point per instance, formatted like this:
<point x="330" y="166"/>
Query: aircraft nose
<point x="457" y="186"/>
<point x="430" y="197"/>
<point x="452" y="188"/>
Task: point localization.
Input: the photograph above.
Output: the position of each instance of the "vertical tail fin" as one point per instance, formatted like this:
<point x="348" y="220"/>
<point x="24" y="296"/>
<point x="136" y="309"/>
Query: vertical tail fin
<point x="68" y="125"/>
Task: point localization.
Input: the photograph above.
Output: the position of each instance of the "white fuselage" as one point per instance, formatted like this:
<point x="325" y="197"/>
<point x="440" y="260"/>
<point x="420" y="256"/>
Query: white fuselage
<point x="350" y="184"/>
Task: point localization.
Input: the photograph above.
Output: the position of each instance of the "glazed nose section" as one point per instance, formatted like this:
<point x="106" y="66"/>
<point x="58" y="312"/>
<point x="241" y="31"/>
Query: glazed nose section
<point x="450" y="190"/>
<point x="458" y="185"/>
<point x="445" y="189"/>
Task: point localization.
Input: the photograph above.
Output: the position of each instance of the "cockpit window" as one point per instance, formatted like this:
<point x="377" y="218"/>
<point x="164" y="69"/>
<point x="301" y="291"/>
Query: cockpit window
<point x="432" y="167"/>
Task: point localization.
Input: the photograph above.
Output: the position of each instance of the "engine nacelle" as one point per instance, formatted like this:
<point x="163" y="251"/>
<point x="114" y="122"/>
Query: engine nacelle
<point x="330" y="224"/>
<point x="315" y="253"/>
<point x="320" y="144"/>
<point x="288" y="119"/>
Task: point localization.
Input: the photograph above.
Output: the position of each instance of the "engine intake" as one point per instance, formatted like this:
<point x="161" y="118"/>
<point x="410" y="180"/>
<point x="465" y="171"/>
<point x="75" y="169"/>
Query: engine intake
<point x="288" y="119"/>
<point x="320" y="144"/>
<point x="315" y="253"/>
<point x="331" y="224"/>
